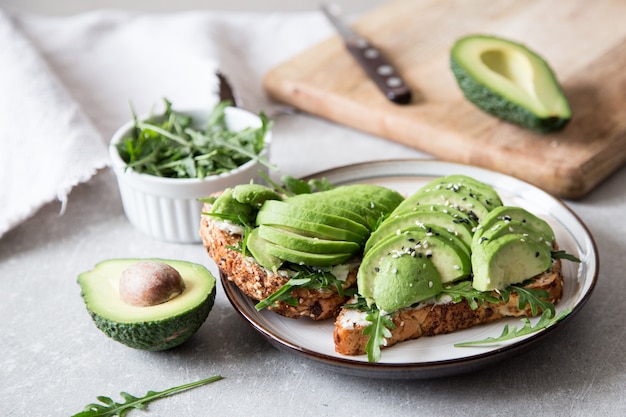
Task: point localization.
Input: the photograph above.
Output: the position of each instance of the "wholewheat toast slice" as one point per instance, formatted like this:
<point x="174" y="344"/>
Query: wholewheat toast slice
<point x="439" y="318"/>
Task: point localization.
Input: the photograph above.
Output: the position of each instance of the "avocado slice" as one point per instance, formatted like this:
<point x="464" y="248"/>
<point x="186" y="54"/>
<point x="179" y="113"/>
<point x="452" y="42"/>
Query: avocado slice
<point x="405" y="281"/>
<point x="384" y="196"/>
<point x="508" y="80"/>
<point x="424" y="218"/>
<point x="413" y="245"/>
<point x="307" y="258"/>
<point x="307" y="228"/>
<point x="227" y="204"/>
<point x="328" y="205"/>
<point x="502" y="227"/>
<point x="460" y="200"/>
<point x="283" y="236"/>
<point x="257" y="246"/>
<point x="254" y="194"/>
<point x="509" y="259"/>
<point x="479" y="190"/>
<point x="156" y="327"/>
<point x="508" y="213"/>
<point x="313" y="216"/>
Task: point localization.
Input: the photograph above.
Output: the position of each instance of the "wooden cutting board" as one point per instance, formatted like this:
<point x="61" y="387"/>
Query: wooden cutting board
<point x="584" y="42"/>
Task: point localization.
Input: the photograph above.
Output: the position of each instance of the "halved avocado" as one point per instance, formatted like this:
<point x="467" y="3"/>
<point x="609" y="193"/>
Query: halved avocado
<point x="156" y="327"/>
<point x="509" y="81"/>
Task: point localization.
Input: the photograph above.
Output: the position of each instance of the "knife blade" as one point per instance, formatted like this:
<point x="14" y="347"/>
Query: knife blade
<point x="372" y="60"/>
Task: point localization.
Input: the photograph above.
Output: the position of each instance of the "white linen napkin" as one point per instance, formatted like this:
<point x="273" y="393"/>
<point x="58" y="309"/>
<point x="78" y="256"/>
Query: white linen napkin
<point x="47" y="145"/>
<point x="67" y="83"/>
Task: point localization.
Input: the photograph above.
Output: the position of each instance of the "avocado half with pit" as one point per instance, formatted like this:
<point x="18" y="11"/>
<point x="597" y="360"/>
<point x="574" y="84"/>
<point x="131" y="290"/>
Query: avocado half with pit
<point x="148" y="304"/>
<point x="508" y="80"/>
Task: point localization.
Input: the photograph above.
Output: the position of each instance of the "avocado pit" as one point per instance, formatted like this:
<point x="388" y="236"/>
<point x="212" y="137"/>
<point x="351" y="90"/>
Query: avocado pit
<point x="149" y="283"/>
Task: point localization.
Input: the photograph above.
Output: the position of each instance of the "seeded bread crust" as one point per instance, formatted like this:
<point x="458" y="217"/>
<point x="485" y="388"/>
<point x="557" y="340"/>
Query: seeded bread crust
<point x="258" y="283"/>
<point x="431" y="320"/>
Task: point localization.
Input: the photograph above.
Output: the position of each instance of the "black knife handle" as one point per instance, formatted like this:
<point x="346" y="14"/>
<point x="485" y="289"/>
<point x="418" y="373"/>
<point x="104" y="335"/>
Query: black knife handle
<point x="380" y="70"/>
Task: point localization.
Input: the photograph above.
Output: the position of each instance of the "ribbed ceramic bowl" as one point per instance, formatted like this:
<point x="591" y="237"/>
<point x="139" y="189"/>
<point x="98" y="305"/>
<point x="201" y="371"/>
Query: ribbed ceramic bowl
<point x="168" y="208"/>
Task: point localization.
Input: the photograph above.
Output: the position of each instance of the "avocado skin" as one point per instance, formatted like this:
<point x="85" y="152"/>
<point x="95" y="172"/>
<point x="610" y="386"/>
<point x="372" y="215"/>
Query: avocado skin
<point x="157" y="335"/>
<point x="499" y="106"/>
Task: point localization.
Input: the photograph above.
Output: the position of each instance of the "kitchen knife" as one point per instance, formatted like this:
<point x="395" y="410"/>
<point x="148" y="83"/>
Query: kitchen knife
<point x="371" y="59"/>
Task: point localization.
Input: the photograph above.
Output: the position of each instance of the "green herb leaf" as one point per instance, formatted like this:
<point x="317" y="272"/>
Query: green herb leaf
<point x="464" y="291"/>
<point x="321" y="184"/>
<point x="110" y="408"/>
<point x="305" y="277"/>
<point x="535" y="298"/>
<point x="295" y="185"/>
<point x="547" y="319"/>
<point x="561" y="254"/>
<point x="378" y="330"/>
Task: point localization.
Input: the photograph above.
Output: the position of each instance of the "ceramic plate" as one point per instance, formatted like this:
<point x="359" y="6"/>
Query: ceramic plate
<point x="436" y="356"/>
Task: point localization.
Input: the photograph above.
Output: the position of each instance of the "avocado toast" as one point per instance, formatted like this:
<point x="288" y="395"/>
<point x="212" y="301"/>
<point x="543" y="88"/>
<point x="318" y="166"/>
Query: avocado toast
<point x="422" y="275"/>
<point x="297" y="254"/>
<point x="448" y="257"/>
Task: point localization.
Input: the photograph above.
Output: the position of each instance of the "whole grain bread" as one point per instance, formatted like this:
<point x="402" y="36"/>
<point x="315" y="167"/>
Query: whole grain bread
<point x="259" y="283"/>
<point x="434" y="319"/>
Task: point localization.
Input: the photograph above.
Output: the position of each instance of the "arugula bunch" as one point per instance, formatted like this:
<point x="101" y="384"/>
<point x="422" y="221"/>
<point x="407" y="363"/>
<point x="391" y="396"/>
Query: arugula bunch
<point x="170" y="145"/>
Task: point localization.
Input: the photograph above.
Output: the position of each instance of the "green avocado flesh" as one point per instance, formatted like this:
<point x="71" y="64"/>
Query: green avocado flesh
<point x="423" y="218"/>
<point x="508" y="213"/>
<point x="509" y="81"/>
<point x="509" y="259"/>
<point x="153" y="328"/>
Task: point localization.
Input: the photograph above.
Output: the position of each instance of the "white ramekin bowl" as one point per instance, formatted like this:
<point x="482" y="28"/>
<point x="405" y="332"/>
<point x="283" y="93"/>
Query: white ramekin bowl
<point x="168" y="208"/>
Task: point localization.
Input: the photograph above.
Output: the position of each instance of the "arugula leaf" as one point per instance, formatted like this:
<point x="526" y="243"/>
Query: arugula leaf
<point x="561" y="254"/>
<point x="321" y="184"/>
<point x="535" y="298"/>
<point x="547" y="319"/>
<point x="295" y="185"/>
<point x="379" y="328"/>
<point x="110" y="408"/>
<point x="464" y="291"/>
<point x="305" y="277"/>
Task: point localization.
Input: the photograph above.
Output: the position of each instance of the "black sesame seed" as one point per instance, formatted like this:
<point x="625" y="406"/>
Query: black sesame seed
<point x="377" y="269"/>
<point x="536" y="254"/>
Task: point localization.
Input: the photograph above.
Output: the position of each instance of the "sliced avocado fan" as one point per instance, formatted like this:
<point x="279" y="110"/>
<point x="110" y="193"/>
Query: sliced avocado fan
<point x="509" y="81"/>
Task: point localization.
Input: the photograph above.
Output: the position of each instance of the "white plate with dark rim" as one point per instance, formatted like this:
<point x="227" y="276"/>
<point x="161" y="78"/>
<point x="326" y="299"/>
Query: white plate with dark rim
<point x="436" y="356"/>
